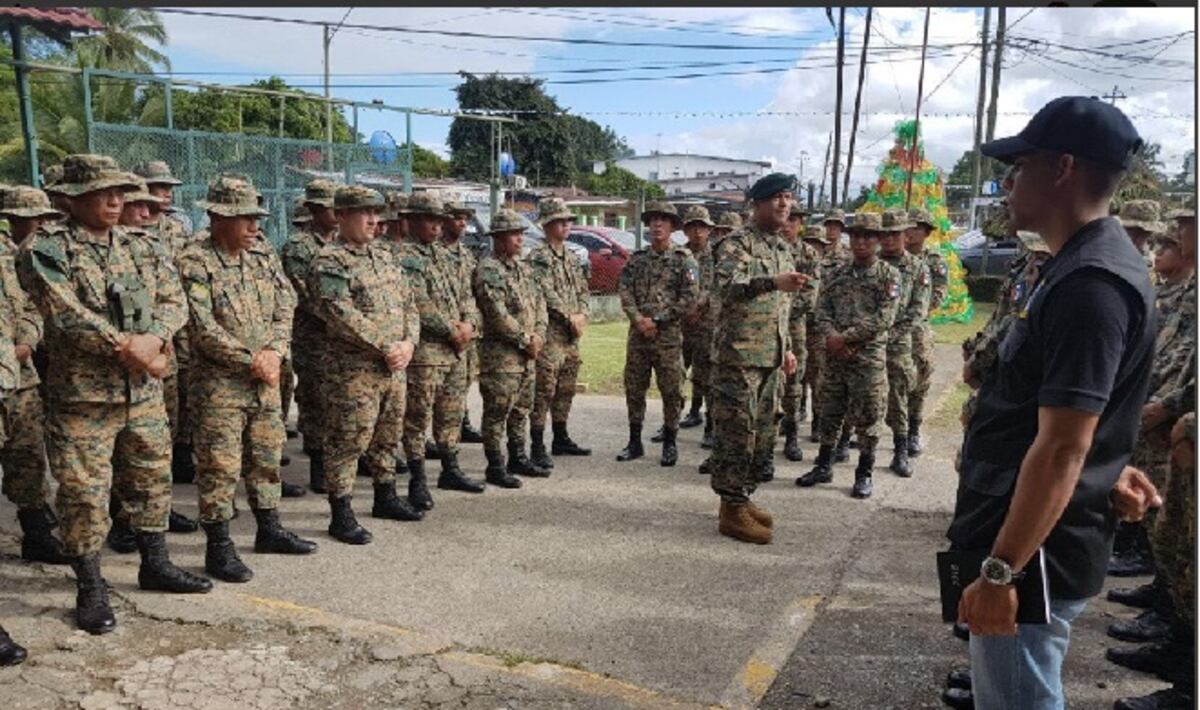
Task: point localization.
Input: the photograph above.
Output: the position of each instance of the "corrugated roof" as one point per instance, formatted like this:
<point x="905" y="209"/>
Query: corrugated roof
<point x="63" y="18"/>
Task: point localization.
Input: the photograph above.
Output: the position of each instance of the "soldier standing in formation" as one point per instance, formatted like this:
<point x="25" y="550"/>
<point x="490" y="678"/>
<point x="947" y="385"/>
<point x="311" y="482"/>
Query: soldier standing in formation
<point x="11" y="653"/>
<point x="1140" y="218"/>
<point x="514" y="320"/>
<point x="727" y="223"/>
<point x="700" y="321"/>
<point x="462" y="263"/>
<point x="565" y="292"/>
<point x="920" y="227"/>
<point x="371" y="332"/>
<point x="240" y="330"/>
<point x="803" y="305"/>
<point x="755" y="272"/>
<point x="814" y="345"/>
<point x="658" y="285"/>
<point x="855" y="309"/>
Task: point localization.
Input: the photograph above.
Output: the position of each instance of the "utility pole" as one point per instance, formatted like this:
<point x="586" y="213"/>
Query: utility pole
<point x="1115" y="96"/>
<point x="976" y="159"/>
<point x="825" y="170"/>
<point x="916" y="146"/>
<point x="996" y="60"/>
<point x="862" y="74"/>
<point x="327" y="37"/>
<point x="837" y="115"/>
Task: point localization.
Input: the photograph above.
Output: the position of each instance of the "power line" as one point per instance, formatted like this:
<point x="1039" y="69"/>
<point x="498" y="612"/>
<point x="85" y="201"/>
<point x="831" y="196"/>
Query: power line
<point x="602" y="19"/>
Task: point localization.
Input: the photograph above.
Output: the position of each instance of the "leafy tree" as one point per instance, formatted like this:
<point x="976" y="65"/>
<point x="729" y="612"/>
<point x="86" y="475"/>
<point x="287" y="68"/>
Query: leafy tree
<point x="428" y="164"/>
<point x="1185" y="179"/>
<point x="1145" y="178"/>
<point x="618" y="182"/>
<point x="126" y="41"/>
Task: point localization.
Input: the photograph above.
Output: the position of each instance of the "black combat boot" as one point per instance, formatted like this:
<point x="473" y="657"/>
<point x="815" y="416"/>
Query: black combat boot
<point x="343" y="526"/>
<point x="363" y="470"/>
<point x="180" y="523"/>
<point x="1170" y="660"/>
<point x="452" y="477"/>
<point x="764" y="472"/>
<point x="822" y="471"/>
<point x="1177" y="697"/>
<point x="900" y="465"/>
<point x="418" y="488"/>
<point x="183" y="467"/>
<point x="11" y="653"/>
<point x="520" y="464"/>
<point x="706" y="442"/>
<point x="1139" y="597"/>
<point x="469" y="434"/>
<point x="316" y="471"/>
<point x="670" y="451"/>
<point x="291" y="490"/>
<point x="1150" y="625"/>
<point x="863" y="487"/>
<point x="537" y="448"/>
<point x="959" y="678"/>
<point x="431" y="449"/>
<point x="657" y="436"/>
<point x="38" y="544"/>
<point x="390" y="506"/>
<point x="633" y="450"/>
<point x="285" y="460"/>
<point x="274" y="539"/>
<point x="958" y="698"/>
<point x="791" y="441"/>
<point x="1138" y="559"/>
<point x="93" y="613"/>
<point x="401" y="465"/>
<point x="497" y="474"/>
<point x="120" y="537"/>
<point x="693" y="418"/>
<point x="158" y="573"/>
<point x="841" y="452"/>
<point x="914" y="438"/>
<point x="562" y="445"/>
<point x="220" y="557"/>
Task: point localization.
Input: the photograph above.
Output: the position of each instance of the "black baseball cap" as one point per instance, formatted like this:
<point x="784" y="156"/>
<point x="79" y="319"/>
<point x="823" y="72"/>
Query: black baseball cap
<point x="1082" y="126"/>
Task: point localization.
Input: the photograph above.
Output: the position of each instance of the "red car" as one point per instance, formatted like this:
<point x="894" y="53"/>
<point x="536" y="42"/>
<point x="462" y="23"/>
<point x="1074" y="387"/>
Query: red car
<point x="608" y="250"/>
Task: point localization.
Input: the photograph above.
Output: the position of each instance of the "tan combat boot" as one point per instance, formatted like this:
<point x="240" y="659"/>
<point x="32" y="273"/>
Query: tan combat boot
<point x="736" y="522"/>
<point x="761" y="516"/>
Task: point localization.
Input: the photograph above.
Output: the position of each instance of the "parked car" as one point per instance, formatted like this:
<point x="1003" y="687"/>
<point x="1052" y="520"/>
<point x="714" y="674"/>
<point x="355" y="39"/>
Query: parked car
<point x="981" y="256"/>
<point x="608" y="250"/>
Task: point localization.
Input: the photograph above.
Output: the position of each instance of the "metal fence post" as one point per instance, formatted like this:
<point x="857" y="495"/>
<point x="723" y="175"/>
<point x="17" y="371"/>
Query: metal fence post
<point x="88" y="118"/>
<point x="408" y="152"/>
<point x="167" y="104"/>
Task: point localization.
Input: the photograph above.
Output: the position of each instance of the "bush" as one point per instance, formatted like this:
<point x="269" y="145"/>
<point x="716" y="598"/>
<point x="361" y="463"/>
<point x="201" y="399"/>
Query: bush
<point x="984" y="288"/>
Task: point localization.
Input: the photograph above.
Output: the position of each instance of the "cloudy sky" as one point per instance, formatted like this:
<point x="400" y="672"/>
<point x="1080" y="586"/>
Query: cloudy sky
<point x="736" y="60"/>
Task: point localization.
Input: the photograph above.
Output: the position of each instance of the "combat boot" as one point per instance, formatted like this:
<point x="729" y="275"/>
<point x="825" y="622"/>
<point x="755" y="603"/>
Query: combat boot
<point x="158" y="573"/>
<point x="959" y="678"/>
<point x="1140" y="597"/>
<point x="401" y="465"/>
<point x="657" y="436"/>
<point x="706" y="442"/>
<point x="736" y="522"/>
<point x="285" y="460"/>
<point x="11" y="653"/>
<point x="1136" y="562"/>
<point x="1150" y="625"/>
<point x="1177" y="697"/>
<point x="760" y="515"/>
<point x="183" y="467"/>
<point x="958" y="698"/>
<point x="469" y="434"/>
<point x="863" y="486"/>
<point x="841" y="452"/>
<point x="120" y="537"/>
<point x="418" y="488"/>
<point x="38" y="544"/>
<point x="180" y="523"/>
<point x="343" y="526"/>
<point x="914" y="438"/>
<point x="221" y="558"/>
<point x="822" y="471"/>
<point x="291" y="490"/>
<point x="93" y="613"/>
<point x="431" y="449"/>
<point x="497" y="474"/>
<point x="791" y="441"/>
<point x="562" y="445"/>
<point x="1170" y="660"/>
<point x="519" y="464"/>
<point x="537" y="448"/>
<point x="316" y="471"/>
<point x="362" y="468"/>
<point x="693" y="418"/>
<point x="274" y="539"/>
<point x="390" y="506"/>
<point x="900" y="465"/>
<point x="452" y="477"/>
<point x="633" y="450"/>
<point x="670" y="450"/>
<point x="764" y="472"/>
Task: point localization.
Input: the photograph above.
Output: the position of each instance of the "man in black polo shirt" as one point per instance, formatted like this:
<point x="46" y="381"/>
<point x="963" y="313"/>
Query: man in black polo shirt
<point x="1045" y="454"/>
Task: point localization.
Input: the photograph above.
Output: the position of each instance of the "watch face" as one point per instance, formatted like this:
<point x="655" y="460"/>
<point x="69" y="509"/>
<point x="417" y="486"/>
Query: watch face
<point x="995" y="570"/>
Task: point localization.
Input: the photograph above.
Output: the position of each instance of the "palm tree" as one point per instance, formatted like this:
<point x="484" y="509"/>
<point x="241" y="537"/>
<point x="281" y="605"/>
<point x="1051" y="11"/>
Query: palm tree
<point x="125" y="42"/>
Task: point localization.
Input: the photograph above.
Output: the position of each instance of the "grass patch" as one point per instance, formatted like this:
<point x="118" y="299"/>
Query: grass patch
<point x="950" y="409"/>
<point x="955" y="333"/>
<point x="512" y="659"/>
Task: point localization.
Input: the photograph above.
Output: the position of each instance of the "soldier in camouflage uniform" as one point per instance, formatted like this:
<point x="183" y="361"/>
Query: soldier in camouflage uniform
<point x="437" y="375"/>
<point x="855" y="310"/>
<point x="803" y="305"/>
<point x="835" y="227"/>
<point x="1141" y="220"/>
<point x="912" y="308"/>
<point x="923" y="340"/>
<point x="371" y="332"/>
<point x="755" y="279"/>
<point x="463" y="263"/>
<point x="22" y="450"/>
<point x="240" y="329"/>
<point x="700" y="320"/>
<point x="727" y="223"/>
<point x="308" y="330"/>
<point x="814" y="346"/>
<point x="565" y="291"/>
<point x="111" y="304"/>
<point x="514" y="326"/>
<point x="658" y="285"/>
<point x="396" y="216"/>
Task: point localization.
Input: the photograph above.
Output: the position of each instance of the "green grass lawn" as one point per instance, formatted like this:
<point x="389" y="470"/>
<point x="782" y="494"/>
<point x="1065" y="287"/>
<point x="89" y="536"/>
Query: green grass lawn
<point x="955" y="333"/>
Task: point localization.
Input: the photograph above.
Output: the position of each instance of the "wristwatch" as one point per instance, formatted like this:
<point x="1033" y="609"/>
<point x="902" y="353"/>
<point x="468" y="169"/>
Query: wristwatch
<point x="998" y="572"/>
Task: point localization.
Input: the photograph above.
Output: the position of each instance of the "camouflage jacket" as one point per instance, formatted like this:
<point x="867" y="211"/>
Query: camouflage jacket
<point x="981" y="350"/>
<point x="171" y="233"/>
<point x="804" y="302"/>
<point x="463" y="264"/>
<point x="939" y="278"/>
<point x="439" y="298"/>
<point x="705" y="305"/>
<point x="752" y="329"/>
<point x="308" y="330"/>
<point x="11" y="311"/>
<point x="661" y="287"/>
<point x="91" y="291"/>
<point x="361" y="294"/>
<point x="1174" y="350"/>
<point x="513" y="311"/>
<point x="19" y="310"/>
<point x="564" y="288"/>
<point x="860" y="302"/>
<point x="912" y="307"/>
<point x="239" y="305"/>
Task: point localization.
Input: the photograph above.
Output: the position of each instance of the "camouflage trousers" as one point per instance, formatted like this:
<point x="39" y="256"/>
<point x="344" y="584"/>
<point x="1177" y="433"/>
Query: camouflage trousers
<point x="23" y="452"/>
<point x="472" y="356"/>
<point x="233" y="443"/>
<point x="900" y="375"/>
<point x="287" y="389"/>
<point x="744" y="401"/>
<point x="310" y="403"/>
<point x="369" y="417"/>
<point x="853" y="392"/>
<point x="664" y="356"/>
<point x="922" y="356"/>
<point x="793" y="384"/>
<point x="175" y="392"/>
<point x="697" y="359"/>
<point x="1174" y="535"/>
<point x="436" y="394"/>
<point x="554" y="385"/>
<point x="82" y="441"/>
<point x="507" y="401"/>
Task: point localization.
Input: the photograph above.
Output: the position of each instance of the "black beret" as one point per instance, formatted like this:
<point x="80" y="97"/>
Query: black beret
<point x="771" y="185"/>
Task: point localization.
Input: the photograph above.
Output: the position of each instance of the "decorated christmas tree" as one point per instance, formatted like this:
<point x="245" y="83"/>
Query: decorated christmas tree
<point x="928" y="193"/>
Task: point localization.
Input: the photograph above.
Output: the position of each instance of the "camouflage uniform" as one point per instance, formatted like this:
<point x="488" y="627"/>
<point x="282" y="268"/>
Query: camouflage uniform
<point x="727" y="223"/>
<point x="462" y="265"/>
<point x="91" y="290"/>
<point x="1175" y="529"/>
<point x="923" y="340"/>
<point x="701" y="324"/>
<point x="804" y="303"/>
<point x="912" y="307"/>
<point x="815" y="342"/>
<point x="240" y="305"/>
<point x="1144" y="214"/>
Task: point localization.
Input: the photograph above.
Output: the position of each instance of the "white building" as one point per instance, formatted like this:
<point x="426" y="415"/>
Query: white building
<point x="687" y="173"/>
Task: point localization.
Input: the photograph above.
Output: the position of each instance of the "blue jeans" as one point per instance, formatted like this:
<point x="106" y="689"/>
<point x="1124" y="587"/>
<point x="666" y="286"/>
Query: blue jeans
<point x="1024" y="672"/>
